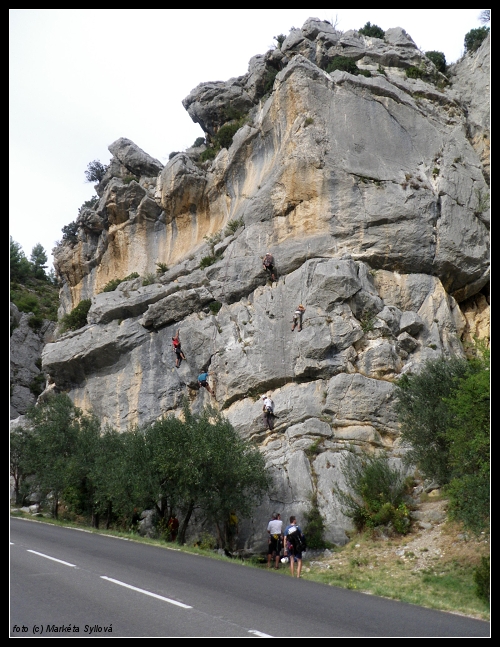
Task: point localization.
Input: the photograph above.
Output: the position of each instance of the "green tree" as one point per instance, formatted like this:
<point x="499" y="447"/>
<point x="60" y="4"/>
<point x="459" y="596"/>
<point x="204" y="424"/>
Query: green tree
<point x="468" y="435"/>
<point x="70" y="232"/>
<point x="202" y="463"/>
<point x="52" y="444"/>
<point x="19" y="265"/>
<point x="425" y="417"/>
<point x="474" y="38"/>
<point x="372" y="30"/>
<point x="38" y="260"/>
<point x="95" y="171"/>
<point x="20" y="470"/>
<point x="439" y="60"/>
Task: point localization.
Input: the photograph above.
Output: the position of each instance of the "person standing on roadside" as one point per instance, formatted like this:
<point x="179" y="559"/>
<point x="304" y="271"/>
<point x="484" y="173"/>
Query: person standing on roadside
<point x="275" y="532"/>
<point x="292" y="545"/>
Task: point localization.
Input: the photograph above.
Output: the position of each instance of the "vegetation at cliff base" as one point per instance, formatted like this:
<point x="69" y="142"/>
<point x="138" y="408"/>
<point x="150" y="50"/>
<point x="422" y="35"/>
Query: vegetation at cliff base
<point x="375" y="494"/>
<point x="444" y="411"/>
<point x="173" y="466"/>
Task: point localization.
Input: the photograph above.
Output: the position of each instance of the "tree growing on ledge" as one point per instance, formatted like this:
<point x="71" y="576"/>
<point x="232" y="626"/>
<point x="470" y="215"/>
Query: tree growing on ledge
<point x="95" y="171"/>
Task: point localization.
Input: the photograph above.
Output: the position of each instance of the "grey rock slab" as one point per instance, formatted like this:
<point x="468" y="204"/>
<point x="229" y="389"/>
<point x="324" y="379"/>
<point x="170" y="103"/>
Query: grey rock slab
<point x="134" y="158"/>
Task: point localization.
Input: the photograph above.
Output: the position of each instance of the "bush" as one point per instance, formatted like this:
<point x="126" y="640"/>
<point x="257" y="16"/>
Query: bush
<point x="232" y="226"/>
<point x="208" y="154"/>
<point x="77" y="318"/>
<point x="130" y="178"/>
<point x="482" y="580"/>
<point x="28" y="303"/>
<point x="474" y="38"/>
<point x="37" y="385"/>
<point x="342" y="63"/>
<point x="114" y="283"/>
<point x="199" y="141"/>
<point x="225" y="134"/>
<point x="280" y="39"/>
<point x="439" y="60"/>
<point x="95" y="171"/>
<point x="413" y="72"/>
<point x="215" y="306"/>
<point x="372" y="30"/>
<point x="35" y="322"/>
<point x="378" y="492"/>
<point x="271" y="73"/>
<point x="88" y="204"/>
<point x="70" y="232"/>
<point x="161" y="268"/>
<point x="173" y="154"/>
<point x="149" y="279"/>
<point x="206" y="261"/>
<point x="315" y="526"/>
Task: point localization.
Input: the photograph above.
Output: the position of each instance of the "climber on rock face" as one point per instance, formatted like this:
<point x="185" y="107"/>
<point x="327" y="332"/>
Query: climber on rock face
<point x="203" y="381"/>
<point x="297" y="317"/>
<point x="268" y="265"/>
<point x="176" y="345"/>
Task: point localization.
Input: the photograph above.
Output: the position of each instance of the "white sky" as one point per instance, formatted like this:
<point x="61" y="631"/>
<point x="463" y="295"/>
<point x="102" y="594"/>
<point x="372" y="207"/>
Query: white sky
<point x="81" y="78"/>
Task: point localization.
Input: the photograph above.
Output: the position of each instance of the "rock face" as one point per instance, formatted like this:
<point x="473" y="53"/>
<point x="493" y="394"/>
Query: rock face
<point x="27" y="380"/>
<point x="372" y="194"/>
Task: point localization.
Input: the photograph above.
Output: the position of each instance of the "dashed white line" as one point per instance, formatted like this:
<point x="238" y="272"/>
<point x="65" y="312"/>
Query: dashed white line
<point x="52" y="558"/>
<point x="259" y="633"/>
<point x="153" y="595"/>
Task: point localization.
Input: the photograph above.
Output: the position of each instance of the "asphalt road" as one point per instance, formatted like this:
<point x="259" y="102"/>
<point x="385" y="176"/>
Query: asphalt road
<point x="63" y="579"/>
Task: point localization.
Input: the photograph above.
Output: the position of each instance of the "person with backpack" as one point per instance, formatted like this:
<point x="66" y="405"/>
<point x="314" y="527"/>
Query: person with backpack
<point x="294" y="545"/>
<point x="268" y="265"/>
<point x="203" y="381"/>
<point x="297" y="317"/>
<point x="176" y="345"/>
<point x="268" y="409"/>
<point x="275" y="532"/>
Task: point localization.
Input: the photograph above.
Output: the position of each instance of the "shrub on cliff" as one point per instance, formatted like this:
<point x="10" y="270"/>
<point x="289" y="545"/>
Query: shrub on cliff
<point x="114" y="283"/>
<point x="372" y="30"/>
<point x="95" y="171"/>
<point x="474" y="38"/>
<point x="77" y="318"/>
<point x="439" y="60"/>
<point x="344" y="64"/>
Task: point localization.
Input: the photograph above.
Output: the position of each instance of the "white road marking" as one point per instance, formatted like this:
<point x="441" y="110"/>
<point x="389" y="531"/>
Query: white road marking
<point x="259" y="633"/>
<point x="52" y="558"/>
<point x="153" y="595"/>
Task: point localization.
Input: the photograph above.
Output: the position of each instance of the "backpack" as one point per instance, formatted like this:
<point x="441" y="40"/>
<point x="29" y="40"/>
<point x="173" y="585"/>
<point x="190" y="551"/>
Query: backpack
<point x="298" y="541"/>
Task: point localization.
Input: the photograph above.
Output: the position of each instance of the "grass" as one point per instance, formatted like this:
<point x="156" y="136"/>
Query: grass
<point x="433" y="569"/>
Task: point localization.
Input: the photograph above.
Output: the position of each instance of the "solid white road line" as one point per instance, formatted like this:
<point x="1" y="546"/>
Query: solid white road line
<point x="259" y="633"/>
<point x="52" y="558"/>
<point x="153" y="595"/>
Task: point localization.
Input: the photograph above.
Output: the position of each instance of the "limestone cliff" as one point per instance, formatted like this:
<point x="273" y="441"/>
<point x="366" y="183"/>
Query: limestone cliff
<point x="370" y="190"/>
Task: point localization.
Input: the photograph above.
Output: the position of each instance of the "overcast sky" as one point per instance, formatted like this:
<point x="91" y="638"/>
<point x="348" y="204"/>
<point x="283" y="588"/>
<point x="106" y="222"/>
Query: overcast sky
<point x="81" y="78"/>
